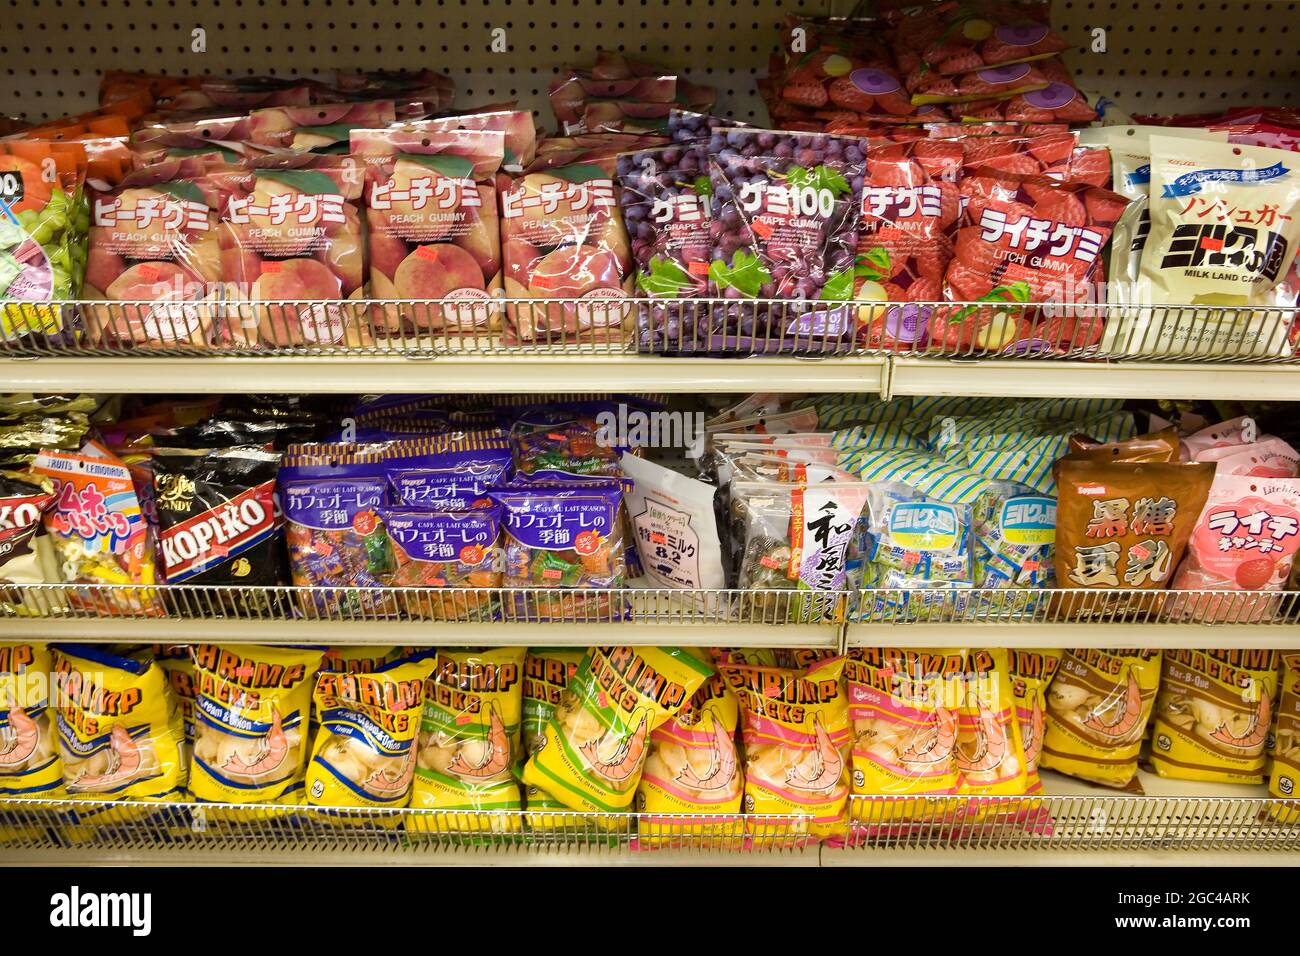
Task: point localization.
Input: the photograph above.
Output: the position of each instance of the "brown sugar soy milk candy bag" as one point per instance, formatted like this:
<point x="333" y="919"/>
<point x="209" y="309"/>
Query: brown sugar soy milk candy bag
<point x="1121" y="525"/>
<point x="1153" y="446"/>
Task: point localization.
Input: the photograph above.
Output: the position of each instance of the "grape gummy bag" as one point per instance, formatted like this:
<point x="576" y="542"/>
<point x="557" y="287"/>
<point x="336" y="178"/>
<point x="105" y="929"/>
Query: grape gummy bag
<point x="785" y="217"/>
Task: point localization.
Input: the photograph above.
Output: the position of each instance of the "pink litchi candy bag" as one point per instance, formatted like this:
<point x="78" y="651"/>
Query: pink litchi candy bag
<point x="1236" y="431"/>
<point x="1270" y="457"/>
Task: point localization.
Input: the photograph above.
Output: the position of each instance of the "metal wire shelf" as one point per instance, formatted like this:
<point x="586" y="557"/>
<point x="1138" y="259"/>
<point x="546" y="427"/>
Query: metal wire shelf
<point x="504" y="327"/>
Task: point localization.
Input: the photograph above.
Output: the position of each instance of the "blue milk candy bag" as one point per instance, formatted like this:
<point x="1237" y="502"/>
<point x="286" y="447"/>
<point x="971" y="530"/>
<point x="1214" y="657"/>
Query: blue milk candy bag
<point x="333" y="497"/>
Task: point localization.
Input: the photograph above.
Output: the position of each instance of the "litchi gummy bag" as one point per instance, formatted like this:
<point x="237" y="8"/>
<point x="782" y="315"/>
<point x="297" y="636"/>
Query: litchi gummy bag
<point x="431" y="225"/>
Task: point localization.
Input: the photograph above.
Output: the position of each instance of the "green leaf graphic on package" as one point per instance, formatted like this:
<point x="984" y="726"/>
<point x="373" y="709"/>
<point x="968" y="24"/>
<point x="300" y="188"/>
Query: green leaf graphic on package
<point x="818" y="178"/>
<point x="746" y="274"/>
<point x="667" y="279"/>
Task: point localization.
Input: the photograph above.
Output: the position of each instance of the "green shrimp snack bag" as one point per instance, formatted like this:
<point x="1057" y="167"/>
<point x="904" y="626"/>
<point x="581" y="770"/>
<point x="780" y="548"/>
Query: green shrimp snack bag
<point x="596" y="742"/>
<point x="547" y="672"/>
<point x="29" y="752"/>
<point x="120" y="732"/>
<point x="469" y="736"/>
<point x="251" y="709"/>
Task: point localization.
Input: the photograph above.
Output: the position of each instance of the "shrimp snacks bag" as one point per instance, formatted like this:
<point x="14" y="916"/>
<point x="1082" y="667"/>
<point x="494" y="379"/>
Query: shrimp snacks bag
<point x="177" y="663"/>
<point x="1285" y="752"/>
<point x="1225" y="225"/>
<point x="694" y="768"/>
<point x="797" y="737"/>
<point x="251" y="712"/>
<point x="469" y="735"/>
<point x="29" y="752"/>
<point x="1212" y="715"/>
<point x="547" y="672"/>
<point x="365" y="748"/>
<point x="1098" y="705"/>
<point x="989" y="753"/>
<point x="595" y="745"/>
<point x="1031" y="673"/>
<point x="903" y="705"/>
<point x="431" y="225"/>
<point x="120" y="732"/>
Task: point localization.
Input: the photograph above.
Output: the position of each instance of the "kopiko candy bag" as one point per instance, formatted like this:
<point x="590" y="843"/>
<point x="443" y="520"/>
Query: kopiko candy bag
<point x="1026" y="239"/>
<point x="469" y="736"/>
<point x="25" y="553"/>
<point x="665" y="197"/>
<point x="97" y="527"/>
<point x="431" y="225"/>
<point x="29" y="760"/>
<point x="120" y="733"/>
<point x="323" y="128"/>
<point x="364" y="752"/>
<point x="797" y="736"/>
<point x="291" y="231"/>
<point x="218" y="522"/>
<point x="562" y="238"/>
<point x="1031" y="672"/>
<point x="1244" y="540"/>
<point x="251" y="708"/>
<point x="595" y="745"/>
<point x="446" y="549"/>
<point x="1213" y="713"/>
<point x="333" y="497"/>
<point x="1225" y="225"/>
<point x="910" y="207"/>
<point x="1097" y="709"/>
<point x="785" y="219"/>
<point x="448" y="472"/>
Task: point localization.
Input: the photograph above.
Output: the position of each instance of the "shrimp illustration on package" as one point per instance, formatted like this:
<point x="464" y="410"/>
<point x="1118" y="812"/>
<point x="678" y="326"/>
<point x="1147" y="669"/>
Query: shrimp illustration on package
<point x="29" y="754"/>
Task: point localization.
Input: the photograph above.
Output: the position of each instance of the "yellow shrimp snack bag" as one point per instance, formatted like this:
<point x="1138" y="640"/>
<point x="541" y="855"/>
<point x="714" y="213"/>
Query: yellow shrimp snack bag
<point x="469" y="735"/>
<point x="29" y="751"/>
<point x="1097" y="709"/>
<point x="250" y="721"/>
<point x="364" y="751"/>
<point x="1213" y="713"/>
<point x="120" y="731"/>
<point x="693" y="767"/>
<point x="547" y="672"/>
<point x="797" y="740"/>
<point x="904" y="706"/>
<point x="596" y="742"/>
<point x="178" y="664"/>
<point x="1031" y="673"/>
<point x="990" y="756"/>
<point x="1286" y="740"/>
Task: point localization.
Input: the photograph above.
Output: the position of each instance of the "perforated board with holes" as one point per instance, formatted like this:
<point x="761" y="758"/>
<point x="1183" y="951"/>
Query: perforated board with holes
<point x="1160" y="55"/>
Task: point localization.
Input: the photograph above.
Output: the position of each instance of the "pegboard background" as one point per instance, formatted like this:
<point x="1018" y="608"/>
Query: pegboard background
<point x="1161" y="55"/>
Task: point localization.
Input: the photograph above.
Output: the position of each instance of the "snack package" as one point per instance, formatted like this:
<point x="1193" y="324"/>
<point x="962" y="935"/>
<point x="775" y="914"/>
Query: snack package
<point x="595" y="745"/>
<point x="843" y="68"/>
<point x="694" y="768"/>
<point x="291" y="232"/>
<point x="98" y="530"/>
<point x="250" y="730"/>
<point x="547" y="672"/>
<point x="415" y="91"/>
<point x="910" y="207"/>
<point x="686" y="126"/>
<point x="1057" y="102"/>
<point x="1270" y="457"/>
<point x="989" y="752"/>
<point x="1098" y="705"/>
<point x="1031" y="673"/>
<point x="431" y="225"/>
<point x="446" y="549"/>
<point x="992" y="83"/>
<point x="177" y="663"/>
<point x="321" y="128"/>
<point x="29" y="751"/>
<point x="1212" y="714"/>
<point x="676" y="531"/>
<point x="904" y="706"/>
<point x="563" y="443"/>
<point x="469" y="735"/>
<point x="155" y="237"/>
<point x="562" y="237"/>
<point x="1124" y="525"/>
<point x="955" y="37"/>
<point x="1225" y="224"/>
<point x="517" y="126"/>
<point x="1026" y="239"/>
<point x="1285" y="750"/>
<point x="785" y="213"/>
<point x="562" y="537"/>
<point x="333" y="497"/>
<point x="1241" y="430"/>
<point x="665" y="199"/>
<point x="364" y="752"/>
<point x="26" y="553"/>
<point x="797" y="737"/>
<point x="239" y="92"/>
<point x="120" y="731"/>
<point x="218" y="521"/>
<point x="448" y="472"/>
<point x="211" y="133"/>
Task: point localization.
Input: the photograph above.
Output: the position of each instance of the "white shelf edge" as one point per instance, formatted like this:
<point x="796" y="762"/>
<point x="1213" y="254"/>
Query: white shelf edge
<point x="974" y="856"/>
<point x="1042" y="379"/>
<point x="450" y="374"/>
<point x="422" y="633"/>
<point x="999" y="634"/>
